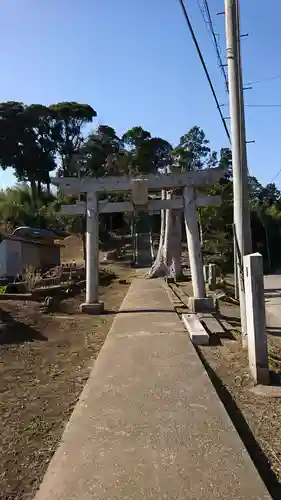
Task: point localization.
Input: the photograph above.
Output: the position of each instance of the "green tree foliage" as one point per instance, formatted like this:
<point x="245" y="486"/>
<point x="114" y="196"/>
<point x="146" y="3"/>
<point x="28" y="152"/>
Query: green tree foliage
<point x="146" y="154"/>
<point x="19" y="208"/>
<point x="101" y="153"/>
<point x="26" y="142"/>
<point x="69" y="121"/>
<point x="33" y="136"/>
<point x="265" y="204"/>
<point x="193" y="151"/>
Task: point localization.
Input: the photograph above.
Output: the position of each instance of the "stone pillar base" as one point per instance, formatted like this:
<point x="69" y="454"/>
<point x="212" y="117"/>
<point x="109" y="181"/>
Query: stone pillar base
<point x="92" y="308"/>
<point x="205" y="304"/>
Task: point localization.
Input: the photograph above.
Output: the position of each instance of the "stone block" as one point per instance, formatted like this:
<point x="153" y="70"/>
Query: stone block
<point x="196" y="330"/>
<point x="205" y="304"/>
<point x="92" y="308"/>
<point x="140" y="192"/>
<point x="267" y="391"/>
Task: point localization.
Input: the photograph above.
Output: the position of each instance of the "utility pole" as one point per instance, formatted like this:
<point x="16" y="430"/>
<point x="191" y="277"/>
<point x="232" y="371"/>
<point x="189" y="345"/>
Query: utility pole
<point x="242" y="125"/>
<point x="242" y="224"/>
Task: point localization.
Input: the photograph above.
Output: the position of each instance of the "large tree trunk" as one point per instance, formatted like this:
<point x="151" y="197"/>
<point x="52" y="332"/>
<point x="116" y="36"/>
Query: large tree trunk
<point x="168" y="259"/>
<point x="200" y="227"/>
<point x="175" y="244"/>
<point x="83" y="224"/>
<point x="48" y="185"/>
<point x="33" y="190"/>
<point x="159" y="267"/>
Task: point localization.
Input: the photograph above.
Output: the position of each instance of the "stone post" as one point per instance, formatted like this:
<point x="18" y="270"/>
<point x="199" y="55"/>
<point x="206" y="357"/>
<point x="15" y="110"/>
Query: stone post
<point x="206" y="273"/>
<point x="212" y="278"/>
<point x="92" y="304"/>
<point x="255" y="315"/>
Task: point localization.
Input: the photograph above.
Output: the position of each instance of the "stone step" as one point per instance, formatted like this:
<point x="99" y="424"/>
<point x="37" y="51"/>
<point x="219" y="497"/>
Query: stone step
<point x="211" y="323"/>
<point x="195" y="329"/>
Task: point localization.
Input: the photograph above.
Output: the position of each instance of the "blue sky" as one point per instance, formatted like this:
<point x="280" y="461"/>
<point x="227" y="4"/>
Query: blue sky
<point x="135" y="63"/>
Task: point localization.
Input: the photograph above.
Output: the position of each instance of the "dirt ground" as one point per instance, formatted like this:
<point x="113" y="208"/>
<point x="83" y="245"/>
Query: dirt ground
<point x="257" y="419"/>
<point x="45" y="360"/>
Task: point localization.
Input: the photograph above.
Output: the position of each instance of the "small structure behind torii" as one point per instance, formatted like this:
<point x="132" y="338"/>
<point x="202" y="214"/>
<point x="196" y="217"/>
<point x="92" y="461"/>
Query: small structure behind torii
<point x="139" y="187"/>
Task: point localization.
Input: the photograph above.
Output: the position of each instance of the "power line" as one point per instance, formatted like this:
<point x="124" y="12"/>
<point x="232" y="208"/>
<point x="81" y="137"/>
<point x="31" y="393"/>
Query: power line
<point x="209" y="23"/>
<point x="204" y="67"/>
<point x="258" y="105"/>
<point x="213" y="37"/>
<point x="277" y="77"/>
<point x="263" y="105"/>
<point x="275" y="177"/>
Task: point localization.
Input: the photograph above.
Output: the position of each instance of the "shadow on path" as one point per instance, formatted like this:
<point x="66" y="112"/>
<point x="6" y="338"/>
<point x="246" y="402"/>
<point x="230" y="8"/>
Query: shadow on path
<point x="131" y="311"/>
<point x="256" y="453"/>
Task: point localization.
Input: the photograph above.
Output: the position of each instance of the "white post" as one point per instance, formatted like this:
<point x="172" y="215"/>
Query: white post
<point x="255" y="315"/>
<point x="193" y="242"/>
<point x="92" y="304"/>
<point x="92" y="242"/>
<point x="212" y="278"/>
<point x="206" y="273"/>
<point x="235" y="274"/>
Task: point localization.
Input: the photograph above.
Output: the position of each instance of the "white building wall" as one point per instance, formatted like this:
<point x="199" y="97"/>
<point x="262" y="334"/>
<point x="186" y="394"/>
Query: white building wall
<point x="14" y="257"/>
<point x="10" y="258"/>
<point x="3" y="258"/>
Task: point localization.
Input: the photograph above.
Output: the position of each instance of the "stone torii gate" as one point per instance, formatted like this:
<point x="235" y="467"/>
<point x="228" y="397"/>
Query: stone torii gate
<point x="139" y="187"/>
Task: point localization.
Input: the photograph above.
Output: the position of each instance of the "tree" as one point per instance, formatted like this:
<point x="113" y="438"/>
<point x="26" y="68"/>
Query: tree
<point x="12" y="126"/>
<point x="101" y="153"/>
<point x="254" y="190"/>
<point x="265" y="217"/>
<point x="270" y="194"/>
<point x="19" y="208"/>
<point x="216" y="221"/>
<point x="40" y="123"/>
<point x="192" y="153"/>
<point x="26" y="143"/>
<point x="69" y="119"/>
<point x="32" y="136"/>
<point x="149" y="154"/>
<point x="146" y="154"/>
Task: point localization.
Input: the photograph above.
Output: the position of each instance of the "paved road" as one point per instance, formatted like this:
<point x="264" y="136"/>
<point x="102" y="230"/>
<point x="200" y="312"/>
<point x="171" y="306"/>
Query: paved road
<point x="272" y="289"/>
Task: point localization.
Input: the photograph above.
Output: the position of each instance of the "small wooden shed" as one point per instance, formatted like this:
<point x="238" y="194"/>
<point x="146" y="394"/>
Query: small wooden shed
<point x="18" y="252"/>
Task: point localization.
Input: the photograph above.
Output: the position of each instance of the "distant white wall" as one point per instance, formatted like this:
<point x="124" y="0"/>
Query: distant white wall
<point x="3" y="258"/>
<point x="14" y="257"/>
<point x="10" y="258"/>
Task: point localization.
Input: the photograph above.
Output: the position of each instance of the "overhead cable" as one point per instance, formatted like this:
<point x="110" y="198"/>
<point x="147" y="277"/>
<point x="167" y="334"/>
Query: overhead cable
<point x="204" y="66"/>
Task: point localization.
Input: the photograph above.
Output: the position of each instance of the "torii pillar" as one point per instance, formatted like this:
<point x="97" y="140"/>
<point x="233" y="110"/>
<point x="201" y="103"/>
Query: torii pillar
<point x="199" y="302"/>
<point x="92" y="304"/>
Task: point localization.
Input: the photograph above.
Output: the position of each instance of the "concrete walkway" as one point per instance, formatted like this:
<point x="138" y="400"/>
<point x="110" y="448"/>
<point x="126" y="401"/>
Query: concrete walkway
<point x="149" y="424"/>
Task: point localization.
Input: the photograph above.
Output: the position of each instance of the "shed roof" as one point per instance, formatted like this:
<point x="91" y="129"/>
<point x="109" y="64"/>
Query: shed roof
<point x="36" y="232"/>
<point x="46" y="242"/>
